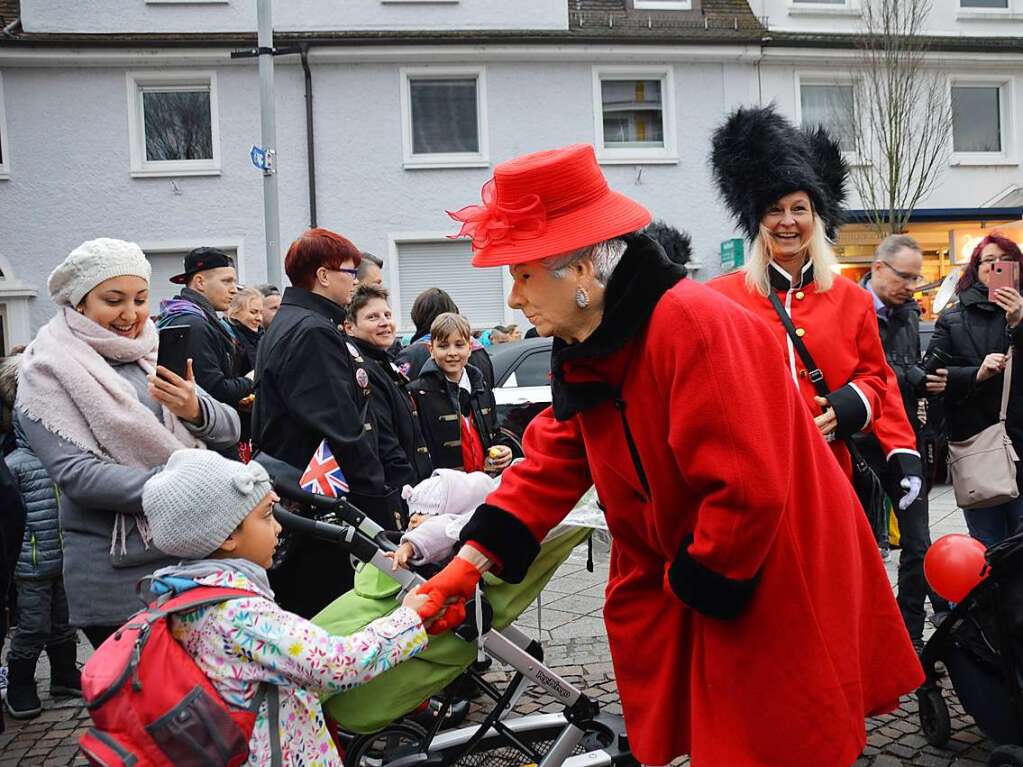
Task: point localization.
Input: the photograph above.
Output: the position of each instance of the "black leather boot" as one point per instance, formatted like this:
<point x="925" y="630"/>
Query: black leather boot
<point x="22" y="698"/>
<point x="65" y="677"/>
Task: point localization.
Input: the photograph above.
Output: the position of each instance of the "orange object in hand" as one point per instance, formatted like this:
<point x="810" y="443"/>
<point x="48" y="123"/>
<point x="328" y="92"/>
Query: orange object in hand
<point x="457" y="582"/>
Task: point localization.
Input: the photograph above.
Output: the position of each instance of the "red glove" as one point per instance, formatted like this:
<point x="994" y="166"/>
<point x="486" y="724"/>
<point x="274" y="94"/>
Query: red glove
<point x="456" y="581"/>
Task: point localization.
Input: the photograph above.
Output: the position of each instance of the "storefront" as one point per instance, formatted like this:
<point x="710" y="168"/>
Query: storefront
<point x="947" y="236"/>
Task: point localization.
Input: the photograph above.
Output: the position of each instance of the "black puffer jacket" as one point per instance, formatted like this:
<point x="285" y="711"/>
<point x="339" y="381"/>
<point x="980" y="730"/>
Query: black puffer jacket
<point x="403" y="450"/>
<point x="969" y="331"/>
<point x="440" y="402"/>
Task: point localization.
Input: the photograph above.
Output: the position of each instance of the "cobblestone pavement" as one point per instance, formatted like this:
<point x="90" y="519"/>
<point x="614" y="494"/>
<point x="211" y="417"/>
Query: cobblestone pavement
<point x="568" y="621"/>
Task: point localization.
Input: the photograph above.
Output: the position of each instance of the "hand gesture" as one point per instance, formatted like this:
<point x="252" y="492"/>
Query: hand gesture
<point x="415" y="600"/>
<point x="175" y="393"/>
<point x="499" y="458"/>
<point x="992" y="365"/>
<point x="937" y="381"/>
<point x="401" y="557"/>
<point x="1011" y="301"/>
<point x="827" y="421"/>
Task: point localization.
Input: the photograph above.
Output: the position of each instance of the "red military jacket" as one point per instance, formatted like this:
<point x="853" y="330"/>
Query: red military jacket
<point x="749" y="616"/>
<point x="839" y="328"/>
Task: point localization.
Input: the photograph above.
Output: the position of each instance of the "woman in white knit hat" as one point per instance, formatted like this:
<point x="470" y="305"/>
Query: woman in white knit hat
<point x="103" y="422"/>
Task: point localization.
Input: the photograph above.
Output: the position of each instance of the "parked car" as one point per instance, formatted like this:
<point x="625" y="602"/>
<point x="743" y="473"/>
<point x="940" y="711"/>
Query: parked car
<point x="522" y="383"/>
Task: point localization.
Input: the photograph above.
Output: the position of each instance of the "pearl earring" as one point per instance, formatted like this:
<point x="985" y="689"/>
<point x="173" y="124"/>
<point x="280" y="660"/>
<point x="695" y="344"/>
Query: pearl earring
<point x="582" y="298"/>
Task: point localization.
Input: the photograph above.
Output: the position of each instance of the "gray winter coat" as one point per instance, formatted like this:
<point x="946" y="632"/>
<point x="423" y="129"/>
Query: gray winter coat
<point x="41" y="550"/>
<point x="100" y="583"/>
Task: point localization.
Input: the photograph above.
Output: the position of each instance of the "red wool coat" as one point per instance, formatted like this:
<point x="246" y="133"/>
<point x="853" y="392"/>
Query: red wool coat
<point x="840" y="331"/>
<point x="732" y="506"/>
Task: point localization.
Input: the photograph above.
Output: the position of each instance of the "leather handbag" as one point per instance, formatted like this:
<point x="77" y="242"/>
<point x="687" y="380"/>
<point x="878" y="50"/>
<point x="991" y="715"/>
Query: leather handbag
<point x="865" y="481"/>
<point x="983" y="467"/>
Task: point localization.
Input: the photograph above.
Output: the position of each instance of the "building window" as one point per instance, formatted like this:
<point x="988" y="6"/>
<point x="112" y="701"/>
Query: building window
<point x="820" y="2"/>
<point x="997" y="4"/>
<point x="418" y="264"/>
<point x="830" y="106"/>
<point x="173" y="124"/>
<point x="444" y="117"/>
<point x="634" y="118"/>
<point x="982" y="122"/>
<point x="5" y="165"/>
<point x="663" y="5"/>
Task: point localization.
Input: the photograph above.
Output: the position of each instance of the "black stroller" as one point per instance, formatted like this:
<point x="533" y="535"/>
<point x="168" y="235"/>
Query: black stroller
<point x="981" y="644"/>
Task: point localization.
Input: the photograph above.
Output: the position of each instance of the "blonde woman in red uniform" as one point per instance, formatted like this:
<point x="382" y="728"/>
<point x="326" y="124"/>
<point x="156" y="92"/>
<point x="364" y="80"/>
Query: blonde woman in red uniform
<point x="786" y="188"/>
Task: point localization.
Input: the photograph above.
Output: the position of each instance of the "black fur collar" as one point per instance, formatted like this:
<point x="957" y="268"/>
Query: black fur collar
<point x="644" y="275"/>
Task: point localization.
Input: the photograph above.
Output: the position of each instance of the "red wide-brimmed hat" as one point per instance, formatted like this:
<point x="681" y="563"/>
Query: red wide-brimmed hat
<point x="543" y="204"/>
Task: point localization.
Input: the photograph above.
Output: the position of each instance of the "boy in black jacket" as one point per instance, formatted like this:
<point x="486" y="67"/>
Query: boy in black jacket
<point x="457" y="411"/>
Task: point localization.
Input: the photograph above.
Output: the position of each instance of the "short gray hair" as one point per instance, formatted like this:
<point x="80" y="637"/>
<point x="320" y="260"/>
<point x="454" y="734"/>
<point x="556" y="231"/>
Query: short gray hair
<point x="605" y="255"/>
<point x="892" y="244"/>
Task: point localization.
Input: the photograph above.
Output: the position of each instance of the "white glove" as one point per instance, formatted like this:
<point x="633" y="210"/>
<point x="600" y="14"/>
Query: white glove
<point x="912" y="487"/>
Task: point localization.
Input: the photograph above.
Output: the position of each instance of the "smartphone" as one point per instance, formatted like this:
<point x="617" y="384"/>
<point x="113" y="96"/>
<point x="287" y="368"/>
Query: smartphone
<point x="1004" y="274"/>
<point x="173" y="349"/>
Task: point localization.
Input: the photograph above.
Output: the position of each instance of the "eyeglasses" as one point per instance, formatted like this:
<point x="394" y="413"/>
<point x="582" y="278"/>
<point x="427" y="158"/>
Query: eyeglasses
<point x="912" y="279"/>
<point x="353" y="273"/>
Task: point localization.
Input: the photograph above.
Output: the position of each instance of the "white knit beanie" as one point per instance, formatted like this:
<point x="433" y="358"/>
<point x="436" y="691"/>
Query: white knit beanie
<point x="199" y="499"/>
<point x="91" y="263"/>
<point x="448" y="491"/>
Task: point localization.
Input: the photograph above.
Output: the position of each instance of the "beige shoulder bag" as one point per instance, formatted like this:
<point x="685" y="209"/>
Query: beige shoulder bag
<point x="983" y="467"/>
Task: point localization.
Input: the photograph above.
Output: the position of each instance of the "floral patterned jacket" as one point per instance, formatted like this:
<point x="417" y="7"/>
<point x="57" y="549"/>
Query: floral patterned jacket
<point x="244" y="642"/>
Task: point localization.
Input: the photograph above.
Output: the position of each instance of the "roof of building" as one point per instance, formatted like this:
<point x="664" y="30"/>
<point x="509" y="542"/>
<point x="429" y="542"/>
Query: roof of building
<point x="589" y="21"/>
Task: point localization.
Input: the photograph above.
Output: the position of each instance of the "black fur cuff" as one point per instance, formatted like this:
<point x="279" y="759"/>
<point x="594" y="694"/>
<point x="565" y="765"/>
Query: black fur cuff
<point x="504" y="536"/>
<point x="708" y="592"/>
<point x="850" y="409"/>
<point x="907" y="464"/>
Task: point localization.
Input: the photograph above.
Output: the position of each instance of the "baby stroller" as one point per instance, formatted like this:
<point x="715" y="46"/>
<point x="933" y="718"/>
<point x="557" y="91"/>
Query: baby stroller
<point x="576" y="736"/>
<point x="981" y="644"/>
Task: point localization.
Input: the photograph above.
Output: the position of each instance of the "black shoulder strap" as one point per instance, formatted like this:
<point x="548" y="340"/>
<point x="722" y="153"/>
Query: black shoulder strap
<point x="816" y="376"/>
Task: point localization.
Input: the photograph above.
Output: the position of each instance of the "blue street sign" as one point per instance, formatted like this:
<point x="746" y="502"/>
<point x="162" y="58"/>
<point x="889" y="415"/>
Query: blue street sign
<point x="262" y="158"/>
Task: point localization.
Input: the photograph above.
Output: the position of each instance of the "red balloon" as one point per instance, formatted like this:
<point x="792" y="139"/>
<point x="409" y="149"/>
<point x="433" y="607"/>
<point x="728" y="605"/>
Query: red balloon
<point x="954" y="565"/>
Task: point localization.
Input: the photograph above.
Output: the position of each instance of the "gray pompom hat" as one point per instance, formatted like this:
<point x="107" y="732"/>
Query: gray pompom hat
<point x="198" y="500"/>
<point x="91" y="263"/>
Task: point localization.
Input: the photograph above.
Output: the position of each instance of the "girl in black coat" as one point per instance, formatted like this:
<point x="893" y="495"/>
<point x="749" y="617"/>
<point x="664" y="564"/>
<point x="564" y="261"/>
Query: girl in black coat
<point x="403" y="450"/>
<point x="457" y="411"/>
<point x="977" y="333"/>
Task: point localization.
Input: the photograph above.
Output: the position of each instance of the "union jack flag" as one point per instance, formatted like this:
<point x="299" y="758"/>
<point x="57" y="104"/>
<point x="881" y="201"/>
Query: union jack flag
<point x="323" y="475"/>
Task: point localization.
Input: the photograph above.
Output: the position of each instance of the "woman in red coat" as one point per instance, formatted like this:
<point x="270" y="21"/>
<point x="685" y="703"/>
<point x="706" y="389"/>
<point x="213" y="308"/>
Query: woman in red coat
<point x="786" y="188"/>
<point x="749" y="617"/>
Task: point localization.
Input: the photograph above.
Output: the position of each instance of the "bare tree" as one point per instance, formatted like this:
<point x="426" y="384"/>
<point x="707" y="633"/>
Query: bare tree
<point x="902" y="113"/>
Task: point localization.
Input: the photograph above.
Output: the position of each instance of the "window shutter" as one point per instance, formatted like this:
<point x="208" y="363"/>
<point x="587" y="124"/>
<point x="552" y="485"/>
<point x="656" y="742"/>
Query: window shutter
<point x="479" y="293"/>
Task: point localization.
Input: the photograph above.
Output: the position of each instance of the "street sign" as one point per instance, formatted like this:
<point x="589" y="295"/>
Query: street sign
<point x="262" y="158"/>
<point x="732" y="254"/>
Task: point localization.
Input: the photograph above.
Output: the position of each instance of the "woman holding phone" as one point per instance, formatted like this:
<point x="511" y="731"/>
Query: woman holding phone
<point x="977" y="333"/>
<point x="103" y="418"/>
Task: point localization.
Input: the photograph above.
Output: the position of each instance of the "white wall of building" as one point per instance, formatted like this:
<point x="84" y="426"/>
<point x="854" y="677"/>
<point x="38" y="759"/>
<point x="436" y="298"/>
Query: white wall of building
<point x="71" y="179"/>
<point x="947" y="17"/>
<point x="112" y="16"/>
<point x="964" y="183"/>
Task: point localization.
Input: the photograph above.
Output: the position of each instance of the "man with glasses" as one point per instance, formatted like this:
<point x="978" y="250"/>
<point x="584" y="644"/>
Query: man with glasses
<point x="311" y="385"/>
<point x="892" y="449"/>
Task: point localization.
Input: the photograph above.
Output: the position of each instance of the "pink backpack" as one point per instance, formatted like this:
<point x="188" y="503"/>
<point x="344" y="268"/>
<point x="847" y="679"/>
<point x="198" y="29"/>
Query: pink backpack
<point x="152" y="706"/>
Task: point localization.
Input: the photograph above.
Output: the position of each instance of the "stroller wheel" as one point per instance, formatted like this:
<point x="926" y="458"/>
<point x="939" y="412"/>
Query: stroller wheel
<point x="381" y="748"/>
<point x="934" y="719"/>
<point x="1006" y="756"/>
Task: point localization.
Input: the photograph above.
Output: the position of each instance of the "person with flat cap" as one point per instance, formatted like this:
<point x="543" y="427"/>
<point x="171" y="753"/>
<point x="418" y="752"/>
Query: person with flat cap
<point x="210" y="281"/>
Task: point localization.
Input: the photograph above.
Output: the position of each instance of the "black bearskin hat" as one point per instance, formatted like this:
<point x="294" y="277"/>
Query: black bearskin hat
<point x="759" y="157"/>
<point x="677" y="244"/>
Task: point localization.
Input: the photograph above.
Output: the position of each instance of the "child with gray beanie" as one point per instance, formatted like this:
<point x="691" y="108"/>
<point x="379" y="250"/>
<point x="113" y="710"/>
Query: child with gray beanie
<point x="217" y="515"/>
